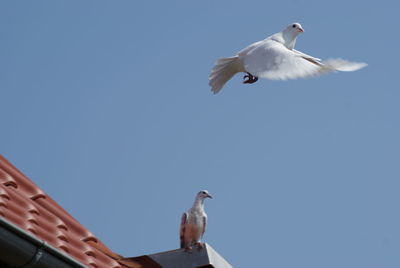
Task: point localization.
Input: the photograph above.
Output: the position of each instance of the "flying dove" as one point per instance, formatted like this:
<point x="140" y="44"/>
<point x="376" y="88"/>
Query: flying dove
<point x="275" y="58"/>
<point x="194" y="222"/>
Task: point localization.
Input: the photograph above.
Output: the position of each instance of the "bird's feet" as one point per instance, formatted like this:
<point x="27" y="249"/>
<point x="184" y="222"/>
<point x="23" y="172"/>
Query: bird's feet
<point x="250" y="79"/>
<point x="188" y="249"/>
<point x="200" y="245"/>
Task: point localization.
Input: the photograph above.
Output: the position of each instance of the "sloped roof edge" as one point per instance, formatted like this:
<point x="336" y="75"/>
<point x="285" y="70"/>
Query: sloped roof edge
<point x="29" y="208"/>
<point x="18" y="247"/>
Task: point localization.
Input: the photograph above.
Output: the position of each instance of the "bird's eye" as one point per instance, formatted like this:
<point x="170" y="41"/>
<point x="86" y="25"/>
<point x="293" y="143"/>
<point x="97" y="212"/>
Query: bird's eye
<point x="203" y="192"/>
<point x="294" y="25"/>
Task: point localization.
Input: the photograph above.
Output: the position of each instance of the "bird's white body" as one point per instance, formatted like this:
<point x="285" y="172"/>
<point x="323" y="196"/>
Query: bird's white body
<point x="275" y="58"/>
<point x="194" y="222"/>
<point x="195" y="225"/>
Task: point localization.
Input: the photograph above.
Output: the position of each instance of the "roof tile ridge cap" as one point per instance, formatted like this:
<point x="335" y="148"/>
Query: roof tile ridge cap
<point x="101" y="247"/>
<point x="7" y="163"/>
<point x="49" y="204"/>
<point x="20" y="178"/>
<point x="53" y="207"/>
<point x="10" y="168"/>
<point x="105" y="250"/>
<point x="70" y="221"/>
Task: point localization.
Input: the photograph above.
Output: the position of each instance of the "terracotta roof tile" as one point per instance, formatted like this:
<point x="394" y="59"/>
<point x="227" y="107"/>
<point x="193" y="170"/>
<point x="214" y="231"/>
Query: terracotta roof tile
<point x="27" y="206"/>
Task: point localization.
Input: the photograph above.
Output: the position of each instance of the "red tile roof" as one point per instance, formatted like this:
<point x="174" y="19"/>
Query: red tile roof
<point x="27" y="206"/>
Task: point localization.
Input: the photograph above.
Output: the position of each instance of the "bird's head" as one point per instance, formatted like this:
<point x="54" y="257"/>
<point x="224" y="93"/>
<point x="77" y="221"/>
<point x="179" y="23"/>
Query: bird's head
<point x="294" y="28"/>
<point x="203" y="194"/>
<point x="290" y="34"/>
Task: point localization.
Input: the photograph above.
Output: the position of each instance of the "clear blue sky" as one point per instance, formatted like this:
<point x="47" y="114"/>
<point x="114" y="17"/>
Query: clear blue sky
<point x="105" y="105"/>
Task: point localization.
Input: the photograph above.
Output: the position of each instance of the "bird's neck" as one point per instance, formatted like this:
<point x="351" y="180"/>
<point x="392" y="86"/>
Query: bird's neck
<point x="198" y="203"/>
<point x="289" y="39"/>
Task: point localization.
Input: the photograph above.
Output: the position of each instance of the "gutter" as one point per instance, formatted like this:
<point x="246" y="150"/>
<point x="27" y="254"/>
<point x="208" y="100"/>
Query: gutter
<point x="21" y="249"/>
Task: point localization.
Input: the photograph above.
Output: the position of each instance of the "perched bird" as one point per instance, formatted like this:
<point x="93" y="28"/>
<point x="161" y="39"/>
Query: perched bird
<point x="194" y="222"/>
<point x="275" y="58"/>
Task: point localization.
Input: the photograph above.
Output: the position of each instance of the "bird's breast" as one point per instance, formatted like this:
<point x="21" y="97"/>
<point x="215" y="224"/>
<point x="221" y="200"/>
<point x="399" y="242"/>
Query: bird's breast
<point x="196" y="219"/>
<point x="194" y="231"/>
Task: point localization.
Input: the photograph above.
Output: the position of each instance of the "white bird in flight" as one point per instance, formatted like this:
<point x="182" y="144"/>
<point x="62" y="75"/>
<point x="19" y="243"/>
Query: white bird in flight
<point x="275" y="58"/>
<point x="194" y="222"/>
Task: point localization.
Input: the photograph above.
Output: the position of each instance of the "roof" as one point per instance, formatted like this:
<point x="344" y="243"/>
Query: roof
<point x="24" y="204"/>
<point x="205" y="257"/>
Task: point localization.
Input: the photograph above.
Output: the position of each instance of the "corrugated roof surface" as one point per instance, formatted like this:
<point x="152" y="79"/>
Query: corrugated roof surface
<point x="27" y="206"/>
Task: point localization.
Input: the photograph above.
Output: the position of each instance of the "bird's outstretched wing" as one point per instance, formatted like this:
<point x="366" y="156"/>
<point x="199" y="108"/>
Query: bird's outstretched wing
<point x="273" y="60"/>
<point x="182" y="229"/>
<point x="306" y="56"/>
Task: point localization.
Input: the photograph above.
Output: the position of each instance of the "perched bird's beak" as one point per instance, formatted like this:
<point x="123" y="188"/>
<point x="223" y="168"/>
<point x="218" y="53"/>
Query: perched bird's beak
<point x="301" y="30"/>
<point x="209" y="196"/>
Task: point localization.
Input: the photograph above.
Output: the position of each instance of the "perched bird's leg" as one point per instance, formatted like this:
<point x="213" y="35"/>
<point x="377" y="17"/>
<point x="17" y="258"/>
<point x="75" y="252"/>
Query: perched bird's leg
<point x="250" y="78"/>
<point x="188" y="249"/>
<point x="200" y="245"/>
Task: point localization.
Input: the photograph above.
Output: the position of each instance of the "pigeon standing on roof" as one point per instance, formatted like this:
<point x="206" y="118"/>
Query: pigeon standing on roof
<point x="194" y="222"/>
<point x="275" y="58"/>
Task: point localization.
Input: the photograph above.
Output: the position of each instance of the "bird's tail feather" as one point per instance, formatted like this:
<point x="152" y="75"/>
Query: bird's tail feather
<point x="343" y="65"/>
<point x="223" y="70"/>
